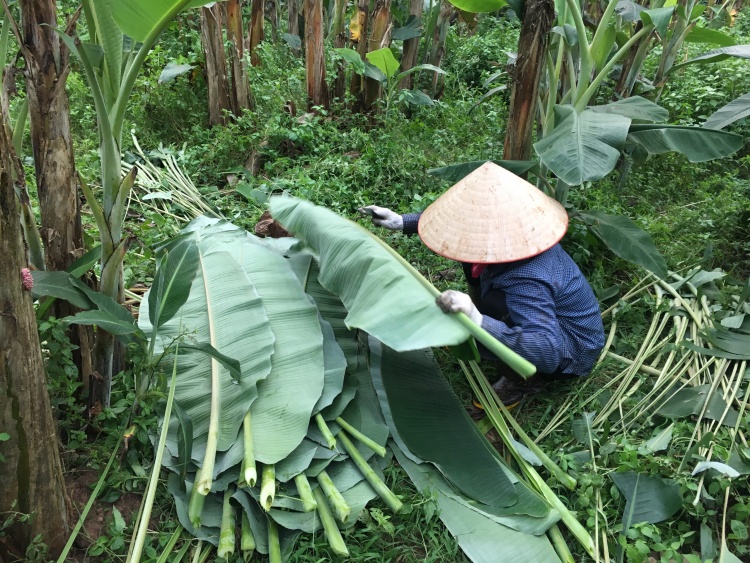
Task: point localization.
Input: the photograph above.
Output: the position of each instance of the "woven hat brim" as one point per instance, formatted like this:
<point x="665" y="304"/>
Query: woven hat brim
<point x="492" y="216"/>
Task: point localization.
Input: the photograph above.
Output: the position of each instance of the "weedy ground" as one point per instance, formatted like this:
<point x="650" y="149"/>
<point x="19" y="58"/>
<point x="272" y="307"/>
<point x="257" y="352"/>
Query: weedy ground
<point x="696" y="213"/>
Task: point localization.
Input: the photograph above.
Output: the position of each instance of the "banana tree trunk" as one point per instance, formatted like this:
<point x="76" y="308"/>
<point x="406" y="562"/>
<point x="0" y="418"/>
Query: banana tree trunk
<point x="411" y="46"/>
<point x="338" y="34"/>
<point x="363" y="21"/>
<point x="32" y="472"/>
<point x="532" y="44"/>
<point x="47" y="70"/>
<point x="293" y="20"/>
<point x="439" y="38"/>
<point x="380" y="36"/>
<point x="240" y="86"/>
<point x="216" y="65"/>
<point x="257" y="14"/>
<point x="315" y="64"/>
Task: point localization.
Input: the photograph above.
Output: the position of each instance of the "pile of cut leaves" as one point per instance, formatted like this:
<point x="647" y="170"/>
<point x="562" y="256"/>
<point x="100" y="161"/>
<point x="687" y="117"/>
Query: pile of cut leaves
<point x="316" y="384"/>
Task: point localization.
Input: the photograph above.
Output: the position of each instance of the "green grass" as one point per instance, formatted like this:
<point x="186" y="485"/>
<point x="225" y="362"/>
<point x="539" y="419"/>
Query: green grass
<point x="343" y="161"/>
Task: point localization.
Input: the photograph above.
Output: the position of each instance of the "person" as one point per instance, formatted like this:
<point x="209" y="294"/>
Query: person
<point x="524" y="289"/>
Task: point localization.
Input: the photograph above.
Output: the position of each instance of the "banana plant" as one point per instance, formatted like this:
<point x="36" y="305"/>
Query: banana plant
<point x="382" y="66"/>
<point x="121" y="34"/>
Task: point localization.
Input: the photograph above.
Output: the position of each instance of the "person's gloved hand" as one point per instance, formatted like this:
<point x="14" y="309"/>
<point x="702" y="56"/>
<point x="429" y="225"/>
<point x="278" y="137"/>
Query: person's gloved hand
<point x="456" y="302"/>
<point x="384" y="217"/>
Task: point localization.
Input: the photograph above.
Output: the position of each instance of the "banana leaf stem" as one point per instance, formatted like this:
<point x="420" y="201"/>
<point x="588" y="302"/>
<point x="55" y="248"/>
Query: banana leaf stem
<point x="369" y="473"/>
<point x="337" y="503"/>
<point x="170" y="545"/>
<point x="227" y="531"/>
<point x="274" y="547"/>
<point x="374" y="446"/>
<point x="329" y="525"/>
<point x="195" y="506"/>
<point x="558" y="542"/>
<point x="247" y="539"/>
<point x="148" y="501"/>
<point x="517" y="363"/>
<point x="323" y="427"/>
<point x="494" y="403"/>
<point x="305" y="492"/>
<point x="249" y="471"/>
<point x="267" y="486"/>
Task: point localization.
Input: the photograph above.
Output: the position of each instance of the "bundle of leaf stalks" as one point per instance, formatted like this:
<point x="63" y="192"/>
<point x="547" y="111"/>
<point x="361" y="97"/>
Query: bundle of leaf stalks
<point x="691" y="367"/>
<point x="280" y="411"/>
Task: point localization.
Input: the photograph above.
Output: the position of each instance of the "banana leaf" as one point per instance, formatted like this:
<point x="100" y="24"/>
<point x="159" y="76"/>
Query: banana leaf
<point x="224" y="309"/>
<point x="433" y="424"/>
<point x="481" y="539"/>
<point x="384" y="294"/>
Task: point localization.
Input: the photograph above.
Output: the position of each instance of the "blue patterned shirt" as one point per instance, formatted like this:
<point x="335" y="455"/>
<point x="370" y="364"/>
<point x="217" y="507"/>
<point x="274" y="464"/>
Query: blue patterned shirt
<point x="555" y="321"/>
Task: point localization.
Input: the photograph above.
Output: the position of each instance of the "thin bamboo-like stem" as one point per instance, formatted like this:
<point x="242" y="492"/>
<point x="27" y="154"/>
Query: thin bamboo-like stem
<point x="305" y="492"/>
<point x="148" y="500"/>
<point x="376" y="482"/>
<point x="327" y="434"/>
<point x="329" y="525"/>
<point x="374" y="446"/>
<point x="337" y="503"/>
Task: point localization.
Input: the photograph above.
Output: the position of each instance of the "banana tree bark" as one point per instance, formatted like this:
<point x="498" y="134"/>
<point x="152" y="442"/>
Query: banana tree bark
<point x="216" y="65"/>
<point x="532" y="43"/>
<point x="257" y="14"/>
<point x="32" y="472"/>
<point x="293" y="20"/>
<point x="411" y="47"/>
<point x="439" y="38"/>
<point x="363" y="21"/>
<point x="380" y="36"/>
<point x="240" y="86"/>
<point x="315" y="64"/>
<point x="338" y="34"/>
<point x="47" y="68"/>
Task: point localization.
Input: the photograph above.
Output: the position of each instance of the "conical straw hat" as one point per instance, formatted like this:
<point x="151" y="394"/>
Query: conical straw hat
<point x="492" y="216"/>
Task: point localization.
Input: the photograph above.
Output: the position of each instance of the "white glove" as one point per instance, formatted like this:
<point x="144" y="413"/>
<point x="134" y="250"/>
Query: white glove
<point x="456" y="302"/>
<point x="384" y="217"/>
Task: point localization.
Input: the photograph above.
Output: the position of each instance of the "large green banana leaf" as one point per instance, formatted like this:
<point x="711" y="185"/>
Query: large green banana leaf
<point x="103" y="30"/>
<point x="583" y="146"/>
<point x="530" y="513"/>
<point x="696" y="143"/>
<point x="141" y="18"/>
<point x="382" y="297"/>
<point x="435" y="427"/>
<point x="482" y="539"/>
<point x="225" y="310"/>
<point x="286" y="399"/>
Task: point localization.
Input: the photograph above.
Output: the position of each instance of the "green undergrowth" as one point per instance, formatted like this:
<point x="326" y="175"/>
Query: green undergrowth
<point x="696" y="213"/>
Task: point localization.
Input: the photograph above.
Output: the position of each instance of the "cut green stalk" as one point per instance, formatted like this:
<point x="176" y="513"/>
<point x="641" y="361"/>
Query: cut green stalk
<point x="305" y="492"/>
<point x="204" y="483"/>
<point x="148" y="501"/>
<point x="323" y="427"/>
<point x="226" y="535"/>
<point x="374" y="446"/>
<point x="247" y="539"/>
<point x="267" y="486"/>
<point x="274" y="547"/>
<point x="491" y="402"/>
<point x="558" y="542"/>
<point x="249" y="472"/>
<point x="89" y="504"/>
<point x="329" y="526"/>
<point x="170" y="545"/>
<point x="181" y="553"/>
<point x="369" y="473"/>
<point x="195" y="506"/>
<point x="337" y="503"/>
<point x="517" y="363"/>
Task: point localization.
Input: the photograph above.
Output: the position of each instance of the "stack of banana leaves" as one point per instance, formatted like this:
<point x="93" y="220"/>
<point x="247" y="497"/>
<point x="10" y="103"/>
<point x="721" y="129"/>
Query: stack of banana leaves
<point x="330" y="336"/>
